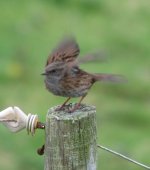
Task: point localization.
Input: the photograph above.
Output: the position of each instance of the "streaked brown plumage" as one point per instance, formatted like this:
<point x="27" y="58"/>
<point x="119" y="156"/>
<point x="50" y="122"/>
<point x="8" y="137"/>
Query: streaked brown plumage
<point x="63" y="77"/>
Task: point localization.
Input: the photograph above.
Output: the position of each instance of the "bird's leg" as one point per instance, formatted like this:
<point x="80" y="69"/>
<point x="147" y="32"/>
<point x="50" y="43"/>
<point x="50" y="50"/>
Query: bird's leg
<point x="61" y="107"/>
<point x="77" y="105"/>
<point x="65" y="103"/>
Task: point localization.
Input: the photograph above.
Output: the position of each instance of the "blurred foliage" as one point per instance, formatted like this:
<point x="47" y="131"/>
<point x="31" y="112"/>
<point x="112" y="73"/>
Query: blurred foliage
<point x="28" y="32"/>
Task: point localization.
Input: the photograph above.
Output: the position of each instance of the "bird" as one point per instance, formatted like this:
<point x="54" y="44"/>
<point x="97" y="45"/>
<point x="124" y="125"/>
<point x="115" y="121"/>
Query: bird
<point x="64" y="77"/>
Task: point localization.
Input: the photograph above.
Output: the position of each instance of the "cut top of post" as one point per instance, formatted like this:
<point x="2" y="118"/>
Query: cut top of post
<point x="83" y="111"/>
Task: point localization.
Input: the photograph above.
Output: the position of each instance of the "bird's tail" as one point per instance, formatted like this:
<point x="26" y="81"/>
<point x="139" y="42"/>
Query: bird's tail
<point x="109" y="78"/>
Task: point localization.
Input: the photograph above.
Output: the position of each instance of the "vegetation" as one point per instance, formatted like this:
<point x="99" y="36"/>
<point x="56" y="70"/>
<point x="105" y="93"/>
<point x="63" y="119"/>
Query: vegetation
<point x="28" y="32"/>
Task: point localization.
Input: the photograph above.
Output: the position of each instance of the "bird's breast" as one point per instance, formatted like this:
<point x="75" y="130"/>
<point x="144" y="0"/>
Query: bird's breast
<point x="66" y="87"/>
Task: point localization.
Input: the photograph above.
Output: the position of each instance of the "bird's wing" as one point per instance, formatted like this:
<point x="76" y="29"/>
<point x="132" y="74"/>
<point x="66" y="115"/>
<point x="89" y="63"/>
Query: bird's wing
<point x="67" y="51"/>
<point x="99" y="56"/>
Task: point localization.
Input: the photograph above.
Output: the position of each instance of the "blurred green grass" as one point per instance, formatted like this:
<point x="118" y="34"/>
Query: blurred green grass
<point x="30" y="29"/>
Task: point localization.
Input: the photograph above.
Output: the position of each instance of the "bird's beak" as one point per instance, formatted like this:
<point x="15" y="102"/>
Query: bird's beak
<point x="43" y="74"/>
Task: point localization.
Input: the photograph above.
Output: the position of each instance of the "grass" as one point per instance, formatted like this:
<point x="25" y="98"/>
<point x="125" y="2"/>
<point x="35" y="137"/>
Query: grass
<point x="30" y="29"/>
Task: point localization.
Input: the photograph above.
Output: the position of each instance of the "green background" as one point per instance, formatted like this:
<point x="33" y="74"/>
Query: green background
<point x="28" y="32"/>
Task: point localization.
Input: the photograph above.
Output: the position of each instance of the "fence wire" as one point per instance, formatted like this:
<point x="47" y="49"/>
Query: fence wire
<point x="123" y="157"/>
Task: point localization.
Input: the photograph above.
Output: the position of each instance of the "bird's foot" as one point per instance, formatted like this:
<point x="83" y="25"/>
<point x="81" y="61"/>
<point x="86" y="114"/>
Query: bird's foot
<point x="59" y="108"/>
<point x="70" y="108"/>
<point x="77" y="106"/>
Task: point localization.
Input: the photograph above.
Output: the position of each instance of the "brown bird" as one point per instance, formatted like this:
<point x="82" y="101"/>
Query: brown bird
<point x="63" y="77"/>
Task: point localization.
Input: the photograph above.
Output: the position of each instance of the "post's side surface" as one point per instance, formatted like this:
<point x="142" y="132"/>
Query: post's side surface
<point x="71" y="139"/>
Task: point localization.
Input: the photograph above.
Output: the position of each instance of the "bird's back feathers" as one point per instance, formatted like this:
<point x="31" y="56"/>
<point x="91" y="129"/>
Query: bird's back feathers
<point x="67" y="51"/>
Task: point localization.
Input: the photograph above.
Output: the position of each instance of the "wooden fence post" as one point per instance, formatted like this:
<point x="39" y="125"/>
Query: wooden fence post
<point x="71" y="139"/>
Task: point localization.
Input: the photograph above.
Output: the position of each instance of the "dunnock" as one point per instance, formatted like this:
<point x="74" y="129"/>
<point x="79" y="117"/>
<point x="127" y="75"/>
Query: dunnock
<point x="63" y="77"/>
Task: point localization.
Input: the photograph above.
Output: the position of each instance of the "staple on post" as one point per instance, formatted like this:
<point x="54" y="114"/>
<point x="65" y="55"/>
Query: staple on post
<point x="71" y="139"/>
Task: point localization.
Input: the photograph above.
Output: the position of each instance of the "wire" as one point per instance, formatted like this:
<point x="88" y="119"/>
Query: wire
<point x="124" y="157"/>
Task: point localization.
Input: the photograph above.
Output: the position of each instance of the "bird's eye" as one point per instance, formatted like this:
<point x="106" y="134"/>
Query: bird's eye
<point x="53" y="71"/>
<point x="75" y="69"/>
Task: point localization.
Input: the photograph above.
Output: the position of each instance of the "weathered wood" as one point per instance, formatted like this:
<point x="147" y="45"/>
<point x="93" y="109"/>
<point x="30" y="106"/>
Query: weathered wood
<point x="71" y="139"/>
